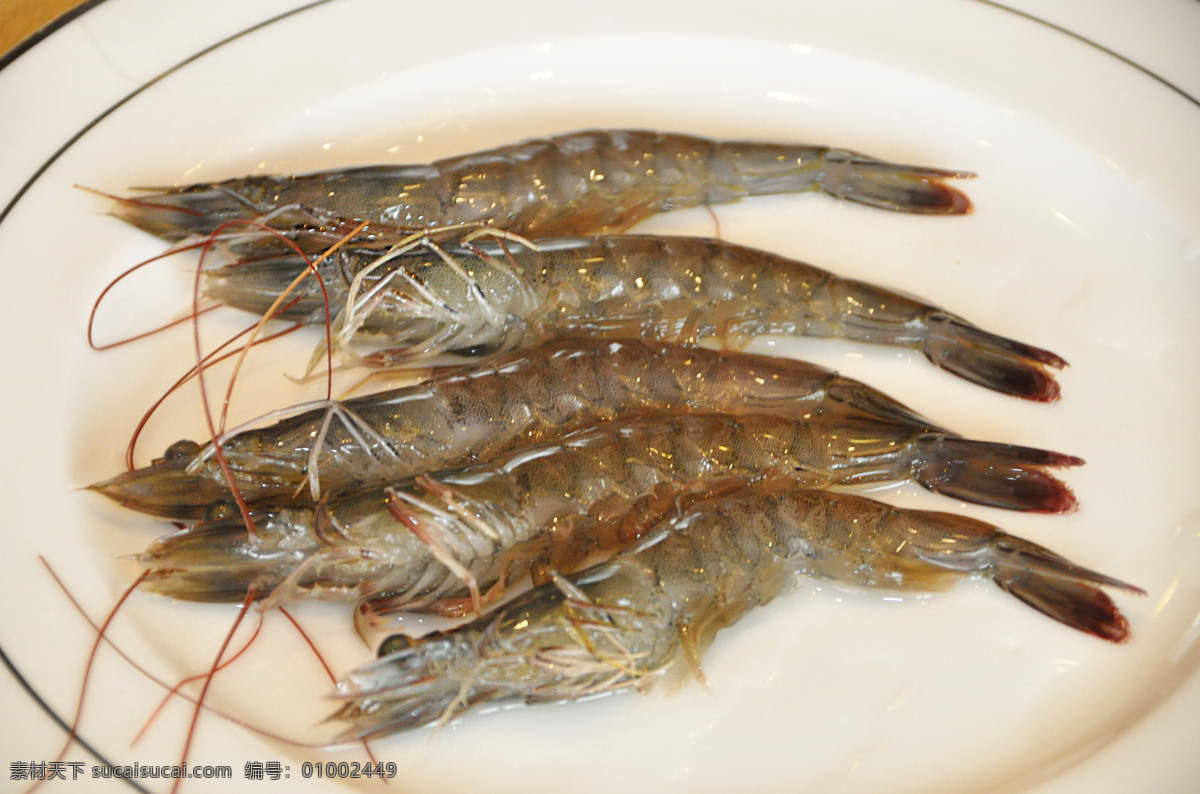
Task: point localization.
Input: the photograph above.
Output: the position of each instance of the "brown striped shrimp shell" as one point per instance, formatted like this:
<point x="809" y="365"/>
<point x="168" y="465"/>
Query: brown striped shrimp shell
<point x="655" y="607"/>
<point x="457" y="541"/>
<point x="422" y="297"/>
<point x="596" y="181"/>
<point x="470" y="413"/>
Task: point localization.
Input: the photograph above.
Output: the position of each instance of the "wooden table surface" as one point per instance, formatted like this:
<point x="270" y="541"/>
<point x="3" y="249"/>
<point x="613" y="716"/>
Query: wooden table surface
<point x="20" y="19"/>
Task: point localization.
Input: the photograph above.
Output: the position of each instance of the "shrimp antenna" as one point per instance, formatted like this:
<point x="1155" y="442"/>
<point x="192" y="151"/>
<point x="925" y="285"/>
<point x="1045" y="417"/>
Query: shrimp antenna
<point x="221" y="665"/>
<point x="156" y="680"/>
<point x="91" y="324"/>
<point x="87" y="670"/>
<point x="332" y="678"/>
<point x="279" y="304"/>
<point x="178" y="688"/>
<point x="204" y="244"/>
<point x="178" y="248"/>
<point x="212" y="359"/>
<point x="251" y="595"/>
<point x="213" y="431"/>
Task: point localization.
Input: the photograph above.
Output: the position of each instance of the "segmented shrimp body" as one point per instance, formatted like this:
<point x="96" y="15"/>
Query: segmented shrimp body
<point x="628" y="622"/>
<point x="579" y="183"/>
<point x="497" y="294"/>
<point x="460" y="414"/>
<point x="456" y="534"/>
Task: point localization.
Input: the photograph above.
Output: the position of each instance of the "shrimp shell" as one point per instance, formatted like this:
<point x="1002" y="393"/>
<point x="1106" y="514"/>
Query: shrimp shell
<point x="580" y="183"/>
<point x="500" y="294"/>
<point x="473" y="413"/>
<point x="453" y="534"/>
<point x="627" y="623"/>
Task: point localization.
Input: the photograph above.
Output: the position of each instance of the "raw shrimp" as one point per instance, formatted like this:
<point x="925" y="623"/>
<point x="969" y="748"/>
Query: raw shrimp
<point x="451" y="535"/>
<point x="474" y="412"/>
<point x="499" y="294"/>
<point x="629" y="622"/>
<point x="580" y="183"/>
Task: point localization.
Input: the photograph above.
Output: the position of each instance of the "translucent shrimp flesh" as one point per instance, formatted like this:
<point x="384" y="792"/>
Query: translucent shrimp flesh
<point x="472" y="413"/>
<point x="654" y="608"/>
<point x="498" y="294"/>
<point x="596" y="181"/>
<point x="451" y="536"/>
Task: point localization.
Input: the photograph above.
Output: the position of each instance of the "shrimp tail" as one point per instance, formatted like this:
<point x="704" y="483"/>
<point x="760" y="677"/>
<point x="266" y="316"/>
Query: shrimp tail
<point x="857" y="400"/>
<point x="989" y="360"/>
<point x="1060" y="589"/>
<point x="998" y="475"/>
<point x="860" y="178"/>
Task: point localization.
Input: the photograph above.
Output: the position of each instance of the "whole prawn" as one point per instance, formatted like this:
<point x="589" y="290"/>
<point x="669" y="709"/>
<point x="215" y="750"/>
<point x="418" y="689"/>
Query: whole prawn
<point x="474" y="412"/>
<point x="580" y="183"/>
<point x="448" y="537"/>
<point x="655" y="607"/>
<point x="421" y="300"/>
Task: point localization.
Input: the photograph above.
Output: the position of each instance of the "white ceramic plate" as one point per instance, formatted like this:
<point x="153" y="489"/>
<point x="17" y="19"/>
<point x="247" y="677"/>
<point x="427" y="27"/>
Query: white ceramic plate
<point x="1085" y="241"/>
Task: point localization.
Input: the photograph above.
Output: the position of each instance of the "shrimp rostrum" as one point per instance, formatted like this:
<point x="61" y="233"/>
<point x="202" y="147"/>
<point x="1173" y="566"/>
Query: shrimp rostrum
<point x="655" y="607"/>
<point x="580" y="183"/>
<point x="456" y="541"/>
<point x="424" y="297"/>
<point x="474" y="412"/>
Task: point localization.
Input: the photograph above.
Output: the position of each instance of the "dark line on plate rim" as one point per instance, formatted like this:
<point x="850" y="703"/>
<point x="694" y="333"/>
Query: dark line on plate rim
<point x="5" y="61"/>
<point x="8" y="208"/>
<point x="1096" y="45"/>
<point x="47" y="30"/>
<point x="59" y="720"/>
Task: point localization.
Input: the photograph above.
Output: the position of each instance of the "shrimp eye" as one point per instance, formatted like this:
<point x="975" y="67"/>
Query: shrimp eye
<point x="394" y="644"/>
<point x="181" y="450"/>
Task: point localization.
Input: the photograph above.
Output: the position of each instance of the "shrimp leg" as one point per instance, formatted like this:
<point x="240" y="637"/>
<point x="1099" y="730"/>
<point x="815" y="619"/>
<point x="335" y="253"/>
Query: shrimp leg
<point x="656" y="607"/>
<point x="597" y="181"/>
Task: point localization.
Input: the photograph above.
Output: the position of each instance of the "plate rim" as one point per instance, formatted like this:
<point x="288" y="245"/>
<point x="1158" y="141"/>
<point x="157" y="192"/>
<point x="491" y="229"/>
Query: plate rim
<point x="80" y="11"/>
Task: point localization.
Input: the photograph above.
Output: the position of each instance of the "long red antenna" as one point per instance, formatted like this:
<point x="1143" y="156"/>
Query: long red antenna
<point x="208" y="677"/>
<point x="87" y="672"/>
